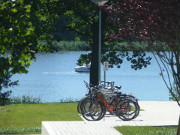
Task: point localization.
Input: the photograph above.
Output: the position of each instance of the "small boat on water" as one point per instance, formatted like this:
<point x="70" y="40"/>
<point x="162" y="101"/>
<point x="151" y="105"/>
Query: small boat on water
<point x="84" y="68"/>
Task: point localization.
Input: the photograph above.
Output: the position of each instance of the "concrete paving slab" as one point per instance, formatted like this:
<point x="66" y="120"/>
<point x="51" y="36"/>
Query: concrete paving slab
<point x="156" y="113"/>
<point x="78" y="128"/>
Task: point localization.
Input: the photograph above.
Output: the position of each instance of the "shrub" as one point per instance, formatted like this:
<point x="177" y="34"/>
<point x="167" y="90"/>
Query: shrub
<point x="67" y="45"/>
<point x="25" y="100"/>
<point x="68" y="100"/>
<point x="4" y="98"/>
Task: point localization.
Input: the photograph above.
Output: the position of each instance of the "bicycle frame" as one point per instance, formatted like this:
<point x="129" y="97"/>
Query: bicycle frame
<point x="99" y="100"/>
<point x="106" y="104"/>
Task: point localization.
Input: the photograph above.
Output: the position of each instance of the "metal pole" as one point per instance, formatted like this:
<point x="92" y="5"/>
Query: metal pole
<point x="99" y="47"/>
<point x="104" y="79"/>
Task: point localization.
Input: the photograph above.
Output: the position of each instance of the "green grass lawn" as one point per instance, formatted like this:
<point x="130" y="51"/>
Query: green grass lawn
<point x="147" y="130"/>
<point x="28" y="117"/>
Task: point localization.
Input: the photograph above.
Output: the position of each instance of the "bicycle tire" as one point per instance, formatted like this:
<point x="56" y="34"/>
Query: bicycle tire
<point x="133" y="99"/>
<point x="91" y="110"/>
<point x="79" y="104"/>
<point x="129" y="110"/>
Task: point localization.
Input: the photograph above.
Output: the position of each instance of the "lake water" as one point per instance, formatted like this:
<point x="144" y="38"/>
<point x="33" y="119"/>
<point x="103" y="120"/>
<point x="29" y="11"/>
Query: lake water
<point x="52" y="78"/>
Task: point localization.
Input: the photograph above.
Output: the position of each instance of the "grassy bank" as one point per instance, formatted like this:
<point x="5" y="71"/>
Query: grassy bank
<point x="27" y="118"/>
<point x="147" y="130"/>
<point x="68" y="45"/>
<point x="122" y="46"/>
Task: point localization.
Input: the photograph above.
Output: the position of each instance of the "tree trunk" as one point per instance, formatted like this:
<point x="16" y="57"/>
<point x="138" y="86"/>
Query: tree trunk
<point x="94" y="78"/>
<point x="94" y="59"/>
<point x="178" y="131"/>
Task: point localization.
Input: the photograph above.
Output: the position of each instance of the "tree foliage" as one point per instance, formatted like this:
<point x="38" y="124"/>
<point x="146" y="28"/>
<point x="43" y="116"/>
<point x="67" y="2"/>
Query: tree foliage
<point x="156" y="22"/>
<point x="84" y="22"/>
<point x="22" y="24"/>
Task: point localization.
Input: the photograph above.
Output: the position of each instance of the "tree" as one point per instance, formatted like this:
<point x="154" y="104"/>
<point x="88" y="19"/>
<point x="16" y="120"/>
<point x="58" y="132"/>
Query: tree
<point x="22" y="24"/>
<point x="85" y="24"/>
<point x="154" y="22"/>
<point x="157" y="23"/>
<point x="84" y="15"/>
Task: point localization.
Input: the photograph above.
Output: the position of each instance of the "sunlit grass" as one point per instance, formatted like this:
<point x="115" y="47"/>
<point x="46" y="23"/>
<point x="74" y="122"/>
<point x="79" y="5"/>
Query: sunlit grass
<point x="147" y="130"/>
<point x="30" y="116"/>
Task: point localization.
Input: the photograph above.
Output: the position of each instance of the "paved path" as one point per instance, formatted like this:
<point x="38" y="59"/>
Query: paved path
<point x="156" y="113"/>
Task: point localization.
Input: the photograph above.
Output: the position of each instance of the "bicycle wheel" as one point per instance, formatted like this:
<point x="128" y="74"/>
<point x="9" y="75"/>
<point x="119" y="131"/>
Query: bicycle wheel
<point x="79" y="104"/>
<point x="133" y="99"/>
<point x="138" y="109"/>
<point x="78" y="107"/>
<point x="91" y="110"/>
<point x="104" y="111"/>
<point x="126" y="110"/>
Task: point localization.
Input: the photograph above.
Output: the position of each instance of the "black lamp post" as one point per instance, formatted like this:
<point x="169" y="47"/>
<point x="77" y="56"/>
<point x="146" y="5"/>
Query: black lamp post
<point x="99" y="2"/>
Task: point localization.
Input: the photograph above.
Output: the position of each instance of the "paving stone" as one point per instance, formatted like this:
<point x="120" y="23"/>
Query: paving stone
<point x="156" y="113"/>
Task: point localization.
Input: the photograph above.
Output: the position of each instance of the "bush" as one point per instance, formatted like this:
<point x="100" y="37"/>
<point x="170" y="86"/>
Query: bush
<point x="71" y="46"/>
<point x="25" y="100"/>
<point x="68" y="100"/>
<point x="4" y="98"/>
<point x="67" y="45"/>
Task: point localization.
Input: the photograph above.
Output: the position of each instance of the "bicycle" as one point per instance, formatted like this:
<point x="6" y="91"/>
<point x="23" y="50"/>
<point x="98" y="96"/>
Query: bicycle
<point x="89" y="87"/>
<point x="111" y="92"/>
<point x="94" y="107"/>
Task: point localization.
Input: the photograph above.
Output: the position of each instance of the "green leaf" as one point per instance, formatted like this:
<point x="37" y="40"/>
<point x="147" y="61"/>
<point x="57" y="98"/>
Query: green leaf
<point x="14" y="10"/>
<point x="28" y="8"/>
